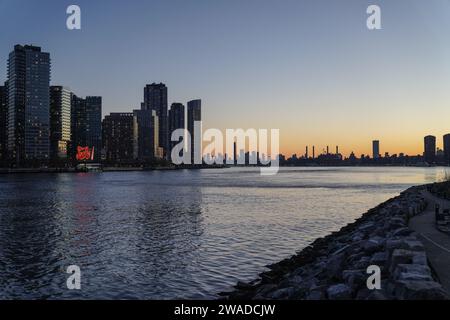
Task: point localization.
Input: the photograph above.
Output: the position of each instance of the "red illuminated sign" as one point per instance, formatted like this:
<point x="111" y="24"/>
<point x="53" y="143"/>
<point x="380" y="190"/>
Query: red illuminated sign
<point x="85" y="153"/>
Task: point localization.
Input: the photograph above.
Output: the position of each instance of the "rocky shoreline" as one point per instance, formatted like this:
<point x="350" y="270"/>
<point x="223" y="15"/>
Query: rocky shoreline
<point x="335" y="267"/>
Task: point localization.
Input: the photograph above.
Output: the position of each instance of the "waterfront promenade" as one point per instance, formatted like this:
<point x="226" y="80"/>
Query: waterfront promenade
<point x="437" y="243"/>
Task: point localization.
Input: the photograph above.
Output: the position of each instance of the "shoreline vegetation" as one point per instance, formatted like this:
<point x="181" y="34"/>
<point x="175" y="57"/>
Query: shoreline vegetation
<point x="335" y="267"/>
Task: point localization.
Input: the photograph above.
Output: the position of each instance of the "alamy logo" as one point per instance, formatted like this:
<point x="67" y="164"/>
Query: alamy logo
<point x="374" y="280"/>
<point x="374" y="20"/>
<point x="256" y="142"/>
<point x="74" y="280"/>
<point x="73" y="21"/>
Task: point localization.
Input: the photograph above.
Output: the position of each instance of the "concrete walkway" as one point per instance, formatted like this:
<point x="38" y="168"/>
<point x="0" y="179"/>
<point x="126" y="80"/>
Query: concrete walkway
<point x="437" y="243"/>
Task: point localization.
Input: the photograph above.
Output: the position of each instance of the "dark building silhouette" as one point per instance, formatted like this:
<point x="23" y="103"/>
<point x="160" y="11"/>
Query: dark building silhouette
<point x="146" y="135"/>
<point x="118" y="136"/>
<point x="87" y="125"/>
<point x="446" y="144"/>
<point x="3" y="123"/>
<point x="176" y="121"/>
<point x="155" y="98"/>
<point x="429" y="153"/>
<point x="77" y="124"/>
<point x="194" y="113"/>
<point x="375" y="149"/>
<point x="28" y="104"/>
<point x="60" y="122"/>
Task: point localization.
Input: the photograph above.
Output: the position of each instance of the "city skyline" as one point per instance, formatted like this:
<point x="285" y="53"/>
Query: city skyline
<point x="63" y="105"/>
<point x="386" y="85"/>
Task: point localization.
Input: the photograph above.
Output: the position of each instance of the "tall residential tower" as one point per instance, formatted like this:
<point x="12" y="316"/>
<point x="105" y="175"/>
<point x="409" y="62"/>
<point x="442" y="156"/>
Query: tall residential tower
<point x="28" y="104"/>
<point x="429" y="153"/>
<point x="155" y="98"/>
<point x="194" y="113"/>
<point x="60" y="122"/>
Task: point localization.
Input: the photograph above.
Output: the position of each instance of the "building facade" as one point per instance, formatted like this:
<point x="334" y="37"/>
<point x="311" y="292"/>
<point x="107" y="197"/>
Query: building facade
<point x="176" y="121"/>
<point x="429" y="153"/>
<point x="60" y="122"/>
<point x="28" y="105"/>
<point x="146" y="135"/>
<point x="446" y="144"/>
<point x="375" y="149"/>
<point x="117" y="140"/>
<point x="194" y="113"/>
<point x="155" y="98"/>
<point x="3" y="124"/>
<point x="86" y="125"/>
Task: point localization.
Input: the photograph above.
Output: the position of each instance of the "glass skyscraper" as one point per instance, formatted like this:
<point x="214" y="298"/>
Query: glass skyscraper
<point x="28" y="104"/>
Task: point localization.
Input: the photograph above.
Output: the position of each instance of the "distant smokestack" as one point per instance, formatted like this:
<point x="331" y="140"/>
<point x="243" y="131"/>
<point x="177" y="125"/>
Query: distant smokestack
<point x="314" y="152"/>
<point x="328" y="150"/>
<point x="306" y="153"/>
<point x="337" y="149"/>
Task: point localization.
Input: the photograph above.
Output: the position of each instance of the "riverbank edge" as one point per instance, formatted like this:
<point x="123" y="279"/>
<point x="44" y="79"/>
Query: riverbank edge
<point x="335" y="267"/>
<point x="108" y="169"/>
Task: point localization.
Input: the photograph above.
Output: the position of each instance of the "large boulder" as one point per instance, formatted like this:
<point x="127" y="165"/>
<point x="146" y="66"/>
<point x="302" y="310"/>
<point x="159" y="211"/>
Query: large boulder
<point x="402" y="256"/>
<point x="414" y="272"/>
<point x="355" y="279"/>
<point x="379" y="258"/>
<point x="373" y="244"/>
<point x="335" y="266"/>
<point x="339" y="292"/>
<point x="419" y="290"/>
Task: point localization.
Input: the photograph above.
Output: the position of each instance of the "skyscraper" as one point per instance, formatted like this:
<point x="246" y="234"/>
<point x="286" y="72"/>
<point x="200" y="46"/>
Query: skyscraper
<point x="3" y="122"/>
<point x="87" y="125"/>
<point x="375" y="149"/>
<point x="176" y="121"/>
<point x="28" y="104"/>
<point x="194" y="113"/>
<point x="429" y="153"/>
<point x="118" y="136"/>
<point x="94" y="124"/>
<point x="155" y="98"/>
<point x="146" y="135"/>
<point x="143" y="140"/>
<point x="446" y="144"/>
<point x="60" y="123"/>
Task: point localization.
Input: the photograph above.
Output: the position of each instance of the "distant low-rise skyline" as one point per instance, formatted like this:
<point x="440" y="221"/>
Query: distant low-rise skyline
<point x="309" y="68"/>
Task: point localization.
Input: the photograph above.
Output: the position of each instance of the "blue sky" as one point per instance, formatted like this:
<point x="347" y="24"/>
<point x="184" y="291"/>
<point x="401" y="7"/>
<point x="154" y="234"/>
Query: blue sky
<point x="310" y="68"/>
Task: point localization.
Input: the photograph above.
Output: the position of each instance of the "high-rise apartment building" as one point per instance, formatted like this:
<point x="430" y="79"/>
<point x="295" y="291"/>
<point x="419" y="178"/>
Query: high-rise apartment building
<point x="146" y="135"/>
<point x="87" y="125"/>
<point x="176" y="121"/>
<point x="155" y="98"/>
<point x="60" y="122"/>
<point x="429" y="153"/>
<point x="3" y="123"/>
<point x="375" y="149"/>
<point x="194" y="113"/>
<point x="118" y="136"/>
<point x="446" y="143"/>
<point x="28" y="104"/>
